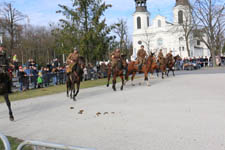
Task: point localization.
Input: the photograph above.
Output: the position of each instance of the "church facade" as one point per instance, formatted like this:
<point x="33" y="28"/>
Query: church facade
<point x="165" y="35"/>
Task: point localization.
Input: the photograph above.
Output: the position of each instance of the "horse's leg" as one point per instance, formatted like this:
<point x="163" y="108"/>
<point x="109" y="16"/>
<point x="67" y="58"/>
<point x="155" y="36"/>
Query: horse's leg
<point x="157" y="72"/>
<point x="6" y="97"/>
<point x="132" y="78"/>
<point x="109" y="76"/>
<point x="122" y="79"/>
<point x="146" y="78"/>
<point x="72" y="88"/>
<point x="173" y="70"/>
<point x="168" y="72"/>
<point x="67" y="88"/>
<point x="114" y="84"/>
<point x="78" y="88"/>
<point x="162" y="73"/>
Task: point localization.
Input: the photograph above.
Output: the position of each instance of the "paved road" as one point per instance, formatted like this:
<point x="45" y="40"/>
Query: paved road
<point x="185" y="112"/>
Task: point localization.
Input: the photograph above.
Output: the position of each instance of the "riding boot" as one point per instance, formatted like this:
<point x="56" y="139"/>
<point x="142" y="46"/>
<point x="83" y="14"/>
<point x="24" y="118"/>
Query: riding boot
<point x="139" y="68"/>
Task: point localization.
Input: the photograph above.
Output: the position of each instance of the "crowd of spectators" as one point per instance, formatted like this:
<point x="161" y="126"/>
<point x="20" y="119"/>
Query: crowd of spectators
<point x="198" y="63"/>
<point x="31" y="75"/>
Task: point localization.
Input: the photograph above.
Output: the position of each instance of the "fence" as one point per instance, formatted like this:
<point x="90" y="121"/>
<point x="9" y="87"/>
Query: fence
<point x="37" y="145"/>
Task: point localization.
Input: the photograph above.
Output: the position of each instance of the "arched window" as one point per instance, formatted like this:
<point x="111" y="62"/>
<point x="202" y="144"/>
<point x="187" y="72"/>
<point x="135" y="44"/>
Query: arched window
<point x="147" y="21"/>
<point x="180" y="17"/>
<point x="160" y="42"/>
<point x="159" y="23"/>
<point x="139" y="22"/>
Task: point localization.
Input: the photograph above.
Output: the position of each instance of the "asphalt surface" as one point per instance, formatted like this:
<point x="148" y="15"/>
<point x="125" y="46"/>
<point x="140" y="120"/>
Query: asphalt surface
<point x="185" y="112"/>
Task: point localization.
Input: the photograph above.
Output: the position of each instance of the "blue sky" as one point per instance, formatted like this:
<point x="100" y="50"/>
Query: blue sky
<point x="42" y="12"/>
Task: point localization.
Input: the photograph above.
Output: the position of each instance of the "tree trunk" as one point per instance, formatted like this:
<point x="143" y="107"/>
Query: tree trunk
<point x="188" y="49"/>
<point x="213" y="57"/>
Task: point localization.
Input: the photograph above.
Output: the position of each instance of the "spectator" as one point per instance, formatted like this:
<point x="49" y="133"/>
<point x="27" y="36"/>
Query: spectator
<point x="21" y="76"/>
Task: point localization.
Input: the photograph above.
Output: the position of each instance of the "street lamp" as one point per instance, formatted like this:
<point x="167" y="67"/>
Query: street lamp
<point x="1" y="36"/>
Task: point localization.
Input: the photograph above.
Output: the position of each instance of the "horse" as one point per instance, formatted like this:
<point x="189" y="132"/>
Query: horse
<point x="133" y="69"/>
<point x="75" y="77"/>
<point x="154" y="65"/>
<point x="117" y="71"/>
<point x="171" y="61"/>
<point x="162" y="64"/>
<point x="5" y="90"/>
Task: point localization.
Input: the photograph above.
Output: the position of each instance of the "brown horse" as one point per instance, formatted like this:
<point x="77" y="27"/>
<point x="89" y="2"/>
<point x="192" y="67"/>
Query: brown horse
<point x="162" y="64"/>
<point x="4" y="91"/>
<point x="171" y="61"/>
<point x="117" y="71"/>
<point x="145" y="68"/>
<point x="154" y="65"/>
<point x="75" y="78"/>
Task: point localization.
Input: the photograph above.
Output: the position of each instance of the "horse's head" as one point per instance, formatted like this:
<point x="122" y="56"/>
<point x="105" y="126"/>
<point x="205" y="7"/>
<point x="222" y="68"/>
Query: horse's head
<point x="81" y="62"/>
<point x="123" y="58"/>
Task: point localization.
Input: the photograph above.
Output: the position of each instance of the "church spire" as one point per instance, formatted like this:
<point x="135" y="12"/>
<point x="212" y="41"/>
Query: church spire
<point x="182" y="2"/>
<point x="141" y="5"/>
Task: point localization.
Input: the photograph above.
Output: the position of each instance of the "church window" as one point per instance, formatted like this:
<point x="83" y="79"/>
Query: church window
<point x="198" y="42"/>
<point x="180" y="17"/>
<point x="139" y="22"/>
<point x="160" y="42"/>
<point x="159" y="23"/>
<point x="147" y="21"/>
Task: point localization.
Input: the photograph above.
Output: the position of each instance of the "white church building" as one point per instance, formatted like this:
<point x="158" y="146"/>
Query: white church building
<point x="165" y="35"/>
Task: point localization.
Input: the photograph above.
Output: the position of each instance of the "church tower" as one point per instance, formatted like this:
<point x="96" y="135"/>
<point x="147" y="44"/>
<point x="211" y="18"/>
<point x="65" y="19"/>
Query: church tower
<point x="182" y="12"/>
<point x="141" y="16"/>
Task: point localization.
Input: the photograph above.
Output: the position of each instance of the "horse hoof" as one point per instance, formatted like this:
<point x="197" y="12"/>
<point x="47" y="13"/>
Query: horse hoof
<point x="121" y="88"/>
<point x="107" y="85"/>
<point x="133" y="84"/>
<point x="74" y="99"/>
<point x="11" y="118"/>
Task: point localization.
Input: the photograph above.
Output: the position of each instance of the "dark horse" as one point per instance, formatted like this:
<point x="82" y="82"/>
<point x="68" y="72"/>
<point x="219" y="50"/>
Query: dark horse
<point x="171" y="61"/>
<point x="154" y="65"/>
<point x="117" y="71"/>
<point x="4" y="90"/>
<point x="162" y="64"/>
<point x="75" y="77"/>
<point x="133" y="69"/>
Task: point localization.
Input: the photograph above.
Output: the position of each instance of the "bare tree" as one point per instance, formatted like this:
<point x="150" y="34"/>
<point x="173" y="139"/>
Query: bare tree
<point x="121" y="31"/>
<point x="210" y="14"/>
<point x="10" y="17"/>
<point x="147" y="40"/>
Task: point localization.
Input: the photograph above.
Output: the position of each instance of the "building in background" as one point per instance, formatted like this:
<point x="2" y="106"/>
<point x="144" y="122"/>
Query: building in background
<point x="162" y="34"/>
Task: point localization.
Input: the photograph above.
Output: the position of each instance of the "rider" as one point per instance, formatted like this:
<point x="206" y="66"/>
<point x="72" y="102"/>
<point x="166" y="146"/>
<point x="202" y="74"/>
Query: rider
<point x="4" y="66"/>
<point x="170" y="56"/>
<point x="116" y="56"/>
<point x="72" y="60"/>
<point x="141" y="54"/>
<point x="160" y="55"/>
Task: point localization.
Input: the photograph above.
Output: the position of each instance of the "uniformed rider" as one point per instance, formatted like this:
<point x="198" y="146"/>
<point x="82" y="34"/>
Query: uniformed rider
<point x="115" y="56"/>
<point x="72" y="60"/>
<point x="141" y="55"/>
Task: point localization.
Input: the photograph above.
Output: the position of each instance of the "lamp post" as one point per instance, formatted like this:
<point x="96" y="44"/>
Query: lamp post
<point x="1" y="37"/>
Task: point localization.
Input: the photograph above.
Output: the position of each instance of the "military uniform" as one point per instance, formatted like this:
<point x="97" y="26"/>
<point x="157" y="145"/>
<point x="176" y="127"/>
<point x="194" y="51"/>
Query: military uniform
<point x="141" y="57"/>
<point x="169" y="56"/>
<point x="160" y="55"/>
<point x="116" y="56"/>
<point x="71" y="61"/>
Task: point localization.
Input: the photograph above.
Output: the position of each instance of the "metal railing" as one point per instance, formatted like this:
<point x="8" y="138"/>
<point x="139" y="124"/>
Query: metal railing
<point x="5" y="142"/>
<point x="38" y="144"/>
<point x="53" y="146"/>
